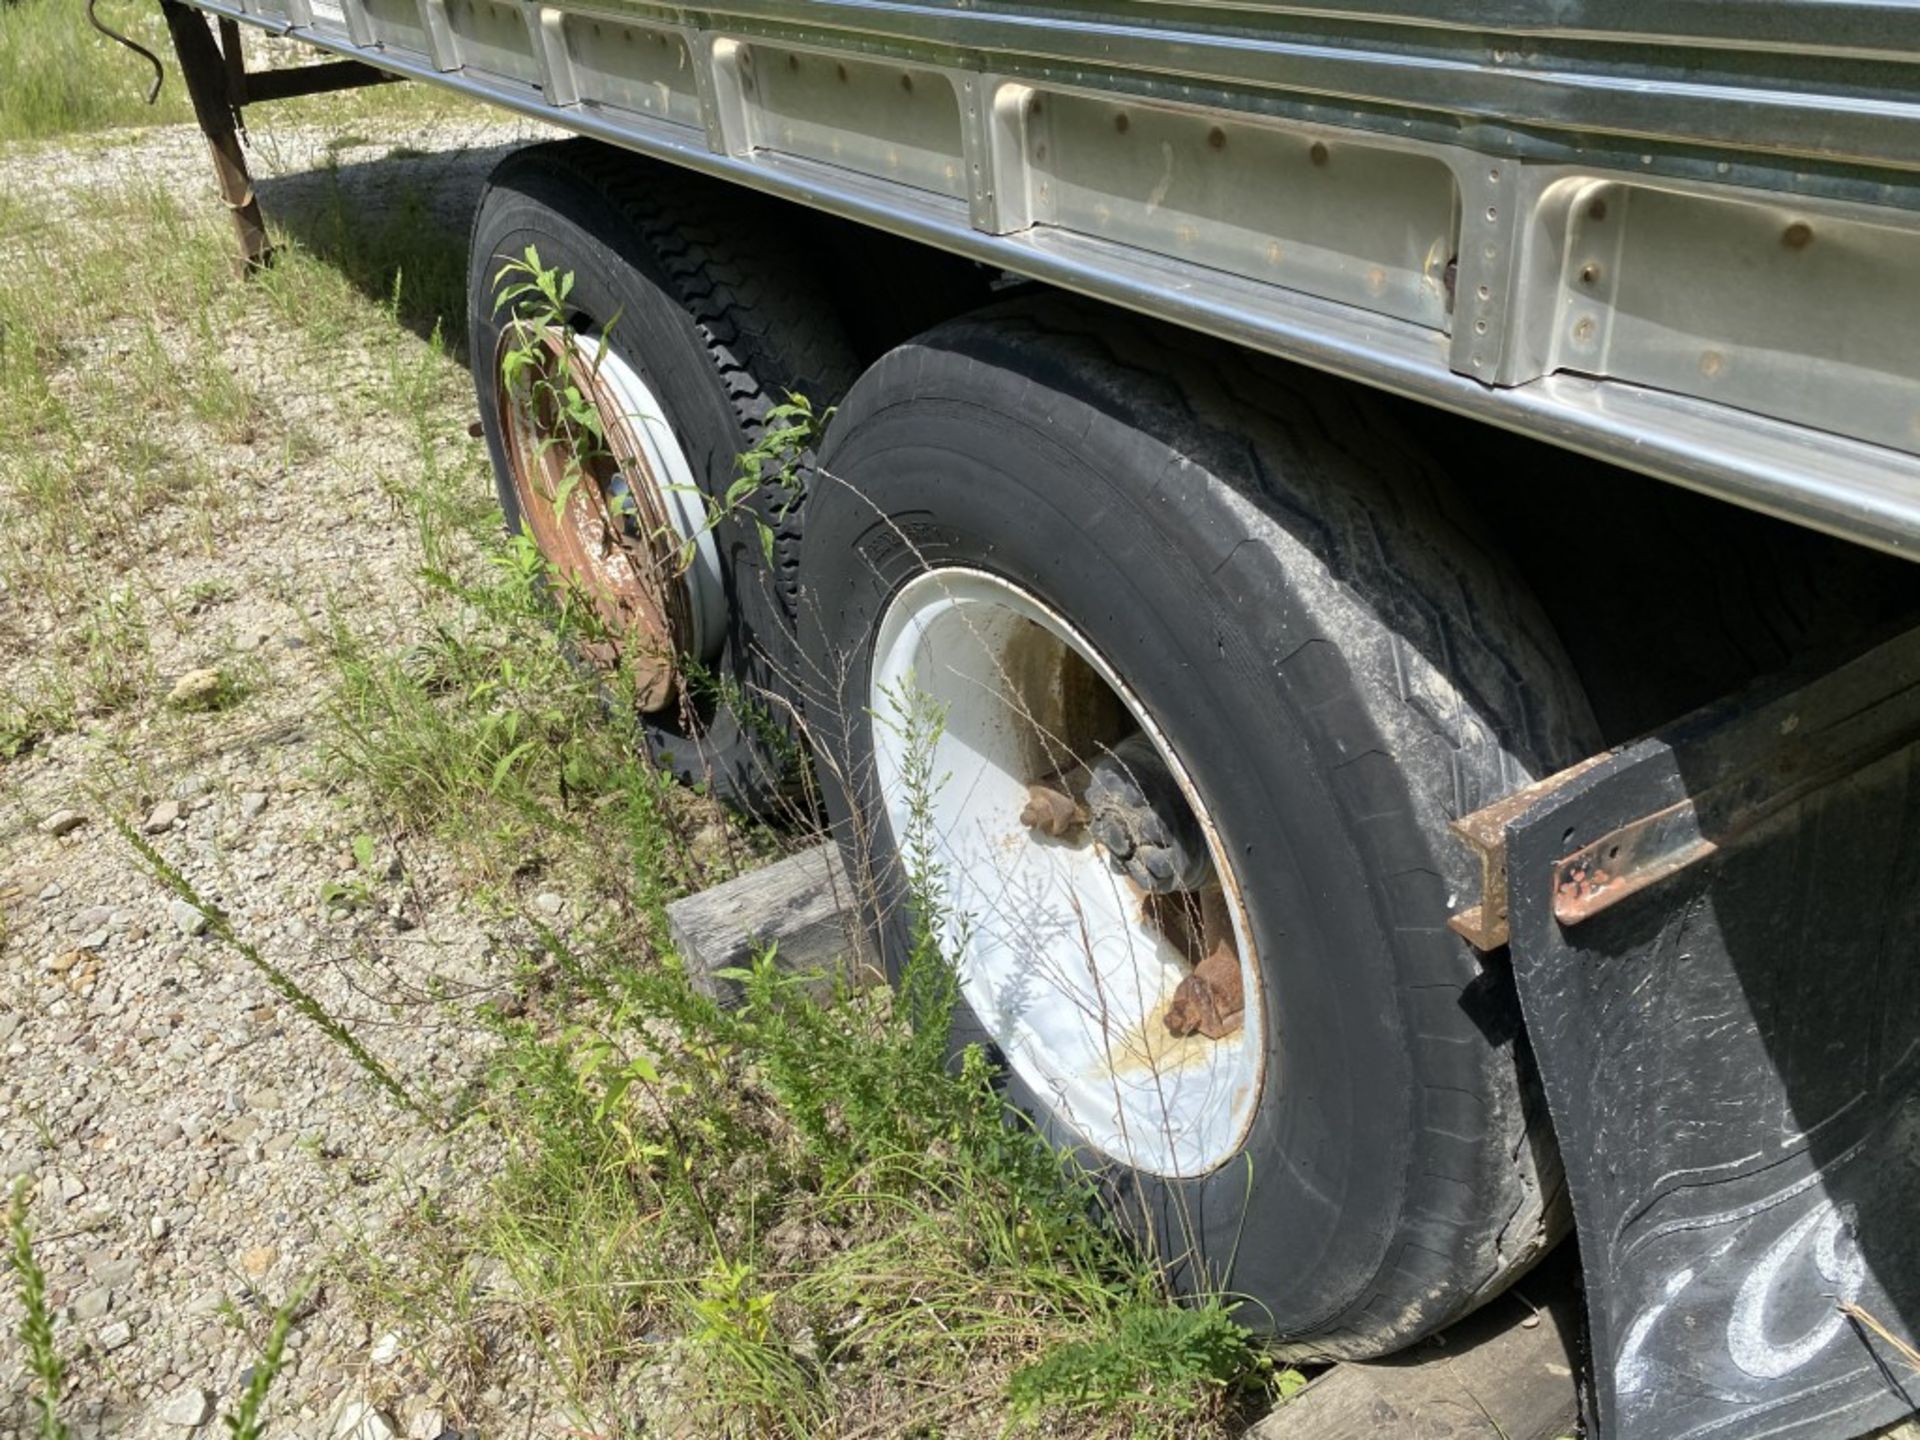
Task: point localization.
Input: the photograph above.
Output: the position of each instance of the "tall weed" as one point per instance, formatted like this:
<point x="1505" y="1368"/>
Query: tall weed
<point x="36" y="1327"/>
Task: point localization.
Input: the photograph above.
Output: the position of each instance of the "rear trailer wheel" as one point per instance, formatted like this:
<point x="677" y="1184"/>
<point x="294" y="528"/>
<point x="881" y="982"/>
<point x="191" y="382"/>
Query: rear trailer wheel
<point x="1167" y="666"/>
<point x="694" y="310"/>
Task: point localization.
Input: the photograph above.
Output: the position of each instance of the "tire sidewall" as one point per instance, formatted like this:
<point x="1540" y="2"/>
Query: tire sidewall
<point x="1132" y="543"/>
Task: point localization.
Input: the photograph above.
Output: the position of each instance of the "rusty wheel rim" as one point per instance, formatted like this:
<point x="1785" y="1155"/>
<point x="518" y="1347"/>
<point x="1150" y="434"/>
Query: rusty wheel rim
<point x="986" y="701"/>
<point x="614" y="509"/>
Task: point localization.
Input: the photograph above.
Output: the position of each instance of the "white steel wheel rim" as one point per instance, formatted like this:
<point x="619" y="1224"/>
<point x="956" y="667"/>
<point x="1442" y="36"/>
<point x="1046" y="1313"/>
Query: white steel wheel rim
<point x="1051" y="948"/>
<point x="637" y="410"/>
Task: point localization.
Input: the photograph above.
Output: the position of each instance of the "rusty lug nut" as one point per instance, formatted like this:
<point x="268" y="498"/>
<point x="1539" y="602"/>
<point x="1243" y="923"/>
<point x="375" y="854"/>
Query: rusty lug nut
<point x="1050" y="810"/>
<point x="1212" y="1000"/>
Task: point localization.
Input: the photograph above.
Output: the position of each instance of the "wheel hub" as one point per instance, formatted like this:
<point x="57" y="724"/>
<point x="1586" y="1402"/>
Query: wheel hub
<point x="610" y="499"/>
<point x="1133" y="1010"/>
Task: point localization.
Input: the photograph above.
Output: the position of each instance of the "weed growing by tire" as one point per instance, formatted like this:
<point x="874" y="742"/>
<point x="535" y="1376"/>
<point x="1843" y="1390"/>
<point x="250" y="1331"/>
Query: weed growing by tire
<point x="43" y="1358"/>
<point x="825" y="1217"/>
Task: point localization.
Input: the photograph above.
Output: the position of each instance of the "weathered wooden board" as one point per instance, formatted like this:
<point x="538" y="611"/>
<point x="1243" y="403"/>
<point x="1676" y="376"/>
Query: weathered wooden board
<point x="802" y="905"/>
<point x="1504" y="1373"/>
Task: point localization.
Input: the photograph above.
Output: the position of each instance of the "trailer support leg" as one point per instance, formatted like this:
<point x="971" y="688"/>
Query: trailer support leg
<point x="204" y="70"/>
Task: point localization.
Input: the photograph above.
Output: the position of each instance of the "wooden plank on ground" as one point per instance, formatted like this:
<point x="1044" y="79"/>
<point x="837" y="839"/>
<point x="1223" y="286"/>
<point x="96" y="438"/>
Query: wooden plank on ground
<point x="1504" y="1373"/>
<point x="802" y="905"/>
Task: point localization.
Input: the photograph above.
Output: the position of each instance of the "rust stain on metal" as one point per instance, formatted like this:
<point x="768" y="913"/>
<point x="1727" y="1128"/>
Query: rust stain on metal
<point x="1576" y="885"/>
<point x="595" y="512"/>
<point x="1151" y="1049"/>
<point x="1628" y="860"/>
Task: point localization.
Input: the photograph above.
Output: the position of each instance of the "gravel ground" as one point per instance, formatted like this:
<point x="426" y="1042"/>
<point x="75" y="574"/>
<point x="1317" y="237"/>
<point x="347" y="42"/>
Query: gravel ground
<point x="200" y="1150"/>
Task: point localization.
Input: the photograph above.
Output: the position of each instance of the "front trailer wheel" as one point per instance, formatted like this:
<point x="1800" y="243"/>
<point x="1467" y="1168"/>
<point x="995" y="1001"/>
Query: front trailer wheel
<point x="692" y="311"/>
<point x="1163" y="669"/>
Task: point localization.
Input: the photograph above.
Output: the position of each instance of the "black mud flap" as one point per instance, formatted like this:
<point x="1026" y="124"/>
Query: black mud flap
<point x="1716" y="937"/>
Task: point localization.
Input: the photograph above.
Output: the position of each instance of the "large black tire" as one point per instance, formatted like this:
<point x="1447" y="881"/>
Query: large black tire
<point x="719" y="307"/>
<point x="1343" y="666"/>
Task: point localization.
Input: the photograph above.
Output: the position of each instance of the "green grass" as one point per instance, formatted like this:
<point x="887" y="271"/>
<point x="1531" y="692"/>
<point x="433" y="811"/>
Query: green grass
<point x="65" y="79"/>
<point x="124" y="404"/>
<point x="62" y="77"/>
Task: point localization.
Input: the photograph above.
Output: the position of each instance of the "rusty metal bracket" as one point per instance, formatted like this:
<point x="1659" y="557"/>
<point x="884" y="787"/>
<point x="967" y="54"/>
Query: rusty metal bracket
<point x="1484" y="925"/>
<point x="257" y="87"/>
<point x="1734" y="764"/>
<point x="1811" y="740"/>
